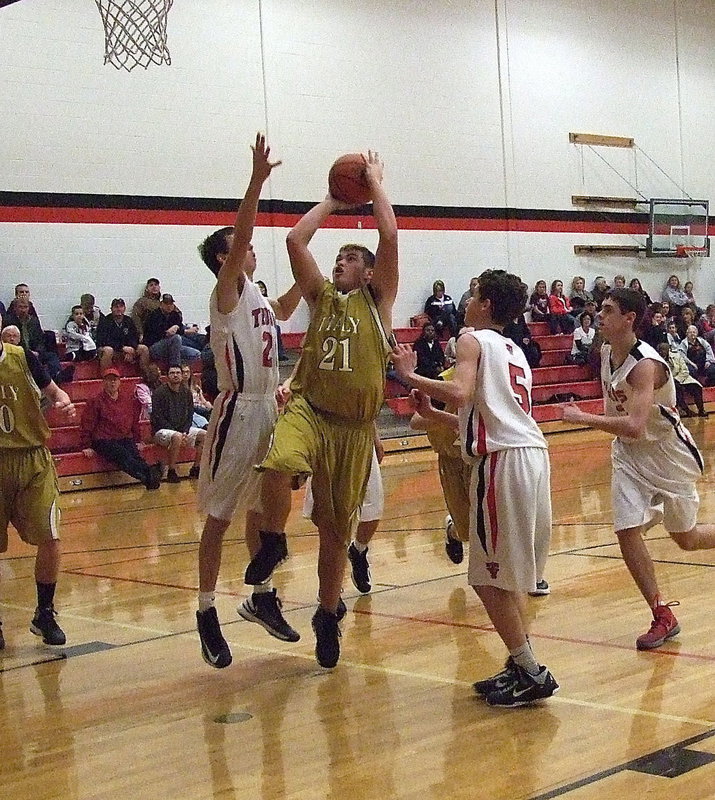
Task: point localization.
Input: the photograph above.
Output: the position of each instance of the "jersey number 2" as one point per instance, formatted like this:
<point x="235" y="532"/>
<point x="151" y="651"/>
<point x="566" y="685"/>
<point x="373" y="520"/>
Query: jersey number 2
<point x="268" y="339"/>
<point x="517" y="377"/>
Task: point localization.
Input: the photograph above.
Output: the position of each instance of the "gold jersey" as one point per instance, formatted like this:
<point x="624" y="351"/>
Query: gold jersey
<point x="21" y="422"/>
<point x="342" y="367"/>
<point x="442" y="438"/>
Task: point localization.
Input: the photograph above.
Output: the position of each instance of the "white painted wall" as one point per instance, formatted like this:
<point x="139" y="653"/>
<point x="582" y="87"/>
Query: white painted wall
<point x="469" y="101"/>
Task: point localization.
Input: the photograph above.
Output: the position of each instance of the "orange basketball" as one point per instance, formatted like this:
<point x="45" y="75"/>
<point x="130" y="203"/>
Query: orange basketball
<point x="346" y="180"/>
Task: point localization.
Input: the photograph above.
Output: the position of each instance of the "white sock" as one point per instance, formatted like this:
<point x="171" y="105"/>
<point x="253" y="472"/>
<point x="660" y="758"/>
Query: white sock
<point x="263" y="588"/>
<point x="361" y="548"/>
<point x="524" y="657"/>
<point x="206" y="600"/>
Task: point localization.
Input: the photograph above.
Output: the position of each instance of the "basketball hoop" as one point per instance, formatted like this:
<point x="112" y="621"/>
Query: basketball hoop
<point x="687" y="251"/>
<point x="135" y="32"/>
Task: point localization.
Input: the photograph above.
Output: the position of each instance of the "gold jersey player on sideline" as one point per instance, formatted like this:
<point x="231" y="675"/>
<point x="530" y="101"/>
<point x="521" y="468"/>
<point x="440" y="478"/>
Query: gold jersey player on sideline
<point x="28" y="482"/>
<point x="327" y="428"/>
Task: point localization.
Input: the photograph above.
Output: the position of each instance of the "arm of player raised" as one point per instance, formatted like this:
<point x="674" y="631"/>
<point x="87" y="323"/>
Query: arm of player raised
<point x="287" y="303"/>
<point x="385" y="276"/>
<point x="642" y="379"/>
<point x="231" y="275"/>
<point x="456" y="392"/>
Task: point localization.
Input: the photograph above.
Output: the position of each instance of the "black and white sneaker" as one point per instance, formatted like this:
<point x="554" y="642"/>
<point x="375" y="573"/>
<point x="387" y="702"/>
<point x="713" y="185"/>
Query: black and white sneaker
<point x="273" y="551"/>
<point x="327" y="637"/>
<point x="44" y="624"/>
<point x="359" y="569"/>
<point x="452" y="545"/>
<point x="498" y="681"/>
<point x="524" y="689"/>
<point x="264" y="608"/>
<point x="214" y="648"/>
<point x="541" y="590"/>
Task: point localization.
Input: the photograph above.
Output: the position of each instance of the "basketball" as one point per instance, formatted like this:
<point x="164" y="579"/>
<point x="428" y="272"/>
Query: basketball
<point x="346" y="180"/>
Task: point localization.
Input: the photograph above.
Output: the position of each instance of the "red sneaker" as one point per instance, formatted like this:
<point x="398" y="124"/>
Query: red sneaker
<point x="664" y="626"/>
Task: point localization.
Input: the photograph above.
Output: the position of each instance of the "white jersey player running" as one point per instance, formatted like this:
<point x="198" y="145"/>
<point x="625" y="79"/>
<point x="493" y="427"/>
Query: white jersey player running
<point x="510" y="524"/>
<point x="244" y="342"/>
<point x="655" y="460"/>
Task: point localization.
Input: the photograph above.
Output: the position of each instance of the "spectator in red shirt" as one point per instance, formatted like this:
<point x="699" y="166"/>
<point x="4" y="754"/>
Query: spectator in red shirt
<point x="110" y="422"/>
<point x="560" y="318"/>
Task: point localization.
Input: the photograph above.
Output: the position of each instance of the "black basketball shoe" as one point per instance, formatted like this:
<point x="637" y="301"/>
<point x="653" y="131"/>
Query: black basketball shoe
<point x="524" y="690"/>
<point x="327" y="637"/>
<point x="214" y="648"/>
<point x="273" y="551"/>
<point x="359" y="569"/>
<point x="264" y="608"/>
<point x="43" y="624"/>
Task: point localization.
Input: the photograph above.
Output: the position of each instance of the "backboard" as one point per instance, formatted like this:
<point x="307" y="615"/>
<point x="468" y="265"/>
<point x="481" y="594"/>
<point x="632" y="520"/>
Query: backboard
<point x="677" y="223"/>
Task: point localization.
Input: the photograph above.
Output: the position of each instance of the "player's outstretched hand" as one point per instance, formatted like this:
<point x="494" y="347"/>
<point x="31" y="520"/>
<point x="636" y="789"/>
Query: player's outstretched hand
<point x="374" y="168"/>
<point x="405" y="360"/>
<point x="571" y="413"/>
<point x="262" y="166"/>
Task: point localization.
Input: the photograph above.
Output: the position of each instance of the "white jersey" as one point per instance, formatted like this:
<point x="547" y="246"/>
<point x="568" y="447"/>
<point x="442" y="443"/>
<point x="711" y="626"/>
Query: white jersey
<point x="244" y="344"/>
<point x="663" y="420"/>
<point x="499" y="417"/>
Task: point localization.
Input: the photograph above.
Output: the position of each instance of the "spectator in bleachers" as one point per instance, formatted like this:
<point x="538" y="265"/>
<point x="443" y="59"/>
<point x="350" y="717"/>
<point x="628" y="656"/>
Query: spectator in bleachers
<point x="162" y="334"/>
<point x="144" y="390"/>
<point x="11" y="335"/>
<point x="92" y="313"/>
<point x="430" y="356"/>
<point x="560" y="319"/>
<point x="172" y="411"/>
<point x="441" y="311"/>
<point x="600" y="287"/>
<point x="635" y="285"/>
<point x="202" y="407"/>
<point x="582" y="340"/>
<point x="685" y="384"/>
<point x="22" y="292"/>
<point x="591" y="309"/>
<point x="697" y="350"/>
<point x="465" y="298"/>
<point x="619" y="282"/>
<point x="539" y="303"/>
<point x="32" y="339"/>
<point x="579" y="292"/>
<point x="118" y="337"/>
<point x="147" y="303"/>
<point x="79" y="346"/>
<point x="688" y="292"/>
<point x="674" y="338"/>
<point x="655" y="333"/>
<point x="675" y="296"/>
<point x="706" y="324"/>
<point x="110" y="426"/>
<point x="519" y="332"/>
<point x="684" y="321"/>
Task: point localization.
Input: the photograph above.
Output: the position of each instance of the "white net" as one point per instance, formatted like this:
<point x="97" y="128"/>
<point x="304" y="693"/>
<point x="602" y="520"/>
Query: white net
<point x="135" y="32"/>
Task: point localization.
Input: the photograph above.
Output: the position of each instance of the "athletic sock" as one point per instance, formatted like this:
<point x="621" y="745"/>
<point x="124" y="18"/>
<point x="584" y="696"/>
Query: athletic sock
<point x="524" y="657"/>
<point x="361" y="548"/>
<point x="263" y="588"/>
<point x="206" y="601"/>
<point x="45" y="594"/>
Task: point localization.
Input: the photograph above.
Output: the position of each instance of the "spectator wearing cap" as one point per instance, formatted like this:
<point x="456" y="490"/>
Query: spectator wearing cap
<point x="172" y="411"/>
<point x="147" y="303"/>
<point x="162" y="334"/>
<point x="118" y="337"/>
<point x="110" y="427"/>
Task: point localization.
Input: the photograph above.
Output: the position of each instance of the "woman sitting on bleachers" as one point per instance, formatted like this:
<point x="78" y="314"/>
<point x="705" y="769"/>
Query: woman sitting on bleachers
<point x="635" y="285"/>
<point x="697" y="350"/>
<point x="675" y="296"/>
<point x="539" y="303"/>
<point x="684" y="321"/>
<point x="582" y="340"/>
<point x="688" y="292"/>
<point x="578" y="291"/>
<point x="560" y="310"/>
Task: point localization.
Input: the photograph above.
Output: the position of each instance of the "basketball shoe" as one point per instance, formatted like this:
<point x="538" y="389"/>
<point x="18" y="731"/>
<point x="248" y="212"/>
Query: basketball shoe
<point x="273" y="551"/>
<point x="44" y="624"/>
<point x="664" y="626"/>
<point x="214" y="649"/>
<point x="453" y="546"/>
<point x="498" y="681"/>
<point x="359" y="569"/>
<point x="327" y="637"/>
<point x="542" y="588"/>
<point x="524" y="689"/>
<point x="264" y="608"/>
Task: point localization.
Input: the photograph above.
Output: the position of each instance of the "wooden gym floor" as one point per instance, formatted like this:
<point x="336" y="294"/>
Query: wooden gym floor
<point x="129" y="710"/>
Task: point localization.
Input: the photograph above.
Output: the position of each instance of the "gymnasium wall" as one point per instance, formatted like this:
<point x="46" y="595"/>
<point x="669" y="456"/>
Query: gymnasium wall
<point x="110" y="177"/>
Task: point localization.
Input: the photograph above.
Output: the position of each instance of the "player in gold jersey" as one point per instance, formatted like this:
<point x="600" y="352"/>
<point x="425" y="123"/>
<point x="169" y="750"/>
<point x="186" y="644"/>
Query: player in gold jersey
<point x="327" y="428"/>
<point x="28" y="482"/>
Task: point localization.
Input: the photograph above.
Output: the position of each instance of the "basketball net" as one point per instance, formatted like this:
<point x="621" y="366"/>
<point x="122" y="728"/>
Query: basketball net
<point x="687" y="251"/>
<point x="135" y="32"/>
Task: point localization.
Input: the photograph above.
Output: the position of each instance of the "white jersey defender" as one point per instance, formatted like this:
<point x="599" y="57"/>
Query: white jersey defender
<point x="653" y="476"/>
<point x="510" y="509"/>
<point x="244" y="343"/>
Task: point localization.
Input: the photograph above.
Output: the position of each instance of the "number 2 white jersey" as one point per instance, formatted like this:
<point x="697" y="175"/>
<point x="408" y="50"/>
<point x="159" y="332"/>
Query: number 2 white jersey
<point x="499" y="417"/>
<point x="244" y="344"/>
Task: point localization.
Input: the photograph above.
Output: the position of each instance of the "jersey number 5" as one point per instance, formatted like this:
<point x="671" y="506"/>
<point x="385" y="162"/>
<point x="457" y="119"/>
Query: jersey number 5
<point x="517" y="376"/>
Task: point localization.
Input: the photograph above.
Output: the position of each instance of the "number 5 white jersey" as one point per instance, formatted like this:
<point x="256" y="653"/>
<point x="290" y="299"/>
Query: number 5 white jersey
<point x="244" y="344"/>
<point x="499" y="417"/>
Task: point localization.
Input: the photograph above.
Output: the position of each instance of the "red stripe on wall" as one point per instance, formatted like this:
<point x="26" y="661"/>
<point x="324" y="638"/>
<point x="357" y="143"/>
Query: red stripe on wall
<point x="128" y="216"/>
